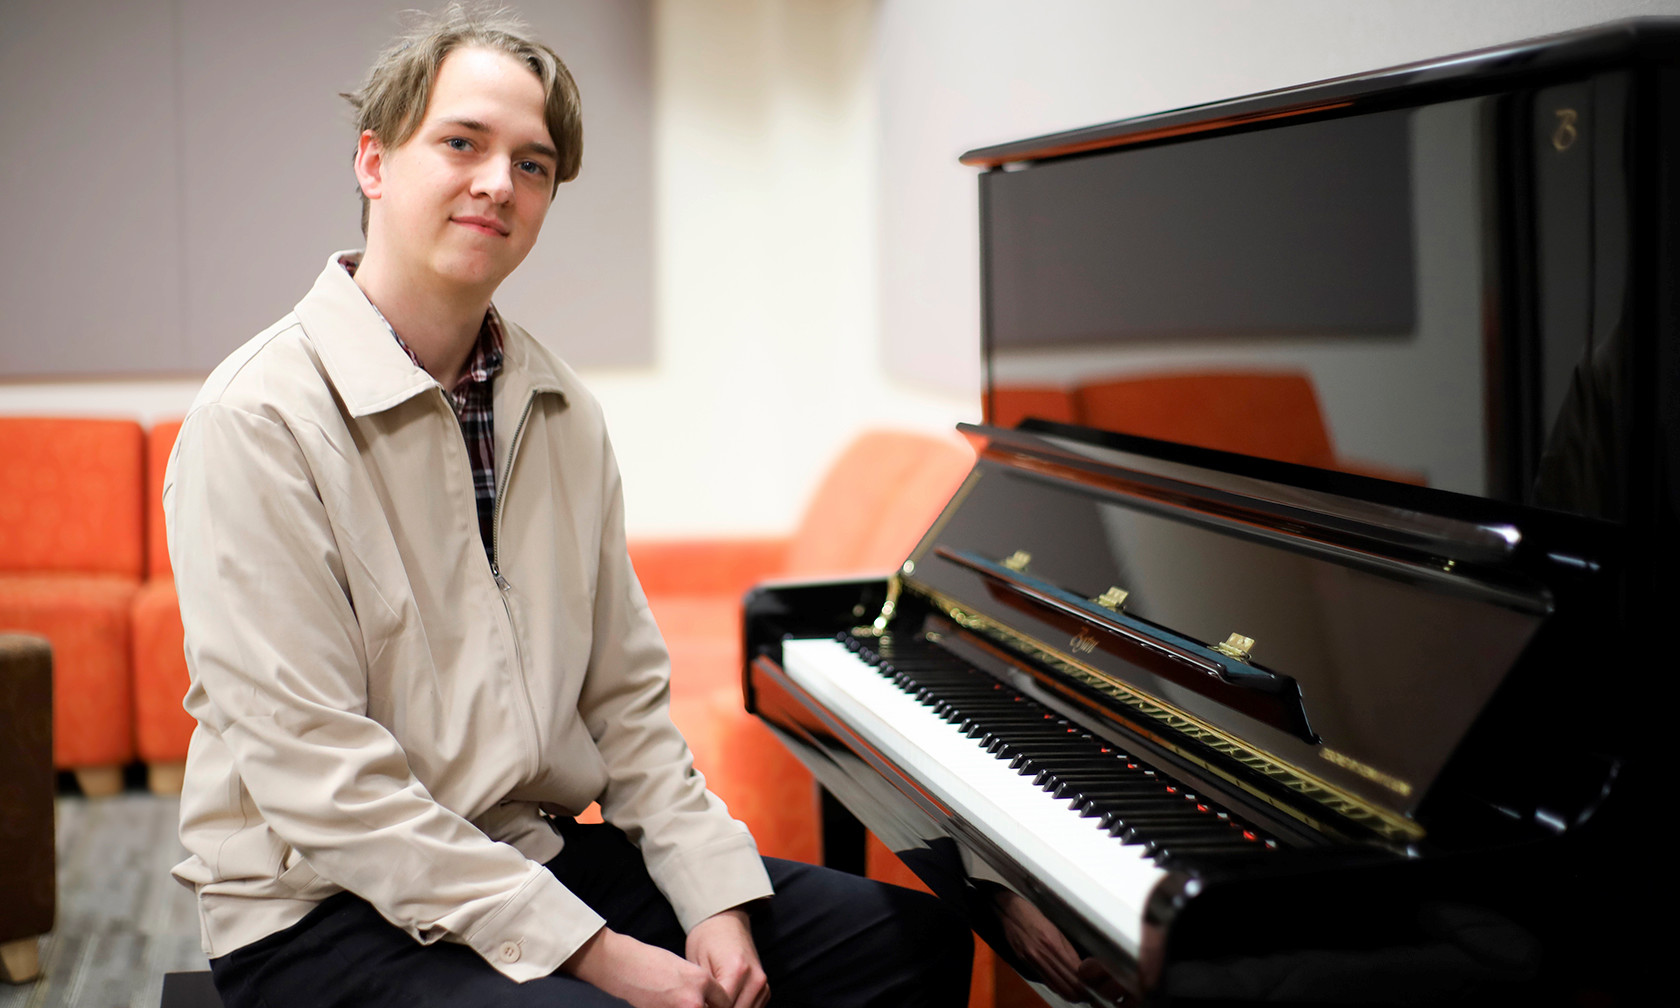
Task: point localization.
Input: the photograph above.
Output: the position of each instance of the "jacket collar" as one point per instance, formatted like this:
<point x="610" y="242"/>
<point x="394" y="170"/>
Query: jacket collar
<point x="370" y="370"/>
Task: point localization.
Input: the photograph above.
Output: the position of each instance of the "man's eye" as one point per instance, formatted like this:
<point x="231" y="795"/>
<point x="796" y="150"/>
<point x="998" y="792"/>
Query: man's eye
<point x="457" y="143"/>
<point x="533" y="168"/>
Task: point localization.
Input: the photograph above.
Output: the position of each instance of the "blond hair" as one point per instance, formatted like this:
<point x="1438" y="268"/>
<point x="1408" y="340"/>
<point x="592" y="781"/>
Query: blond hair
<point x="392" y="98"/>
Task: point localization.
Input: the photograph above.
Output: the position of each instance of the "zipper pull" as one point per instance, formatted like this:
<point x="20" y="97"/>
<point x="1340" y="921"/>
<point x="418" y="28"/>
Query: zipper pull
<point x="501" y="582"/>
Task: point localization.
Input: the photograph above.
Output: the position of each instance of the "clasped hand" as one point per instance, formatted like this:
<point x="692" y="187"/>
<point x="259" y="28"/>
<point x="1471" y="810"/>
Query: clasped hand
<point x="722" y="969"/>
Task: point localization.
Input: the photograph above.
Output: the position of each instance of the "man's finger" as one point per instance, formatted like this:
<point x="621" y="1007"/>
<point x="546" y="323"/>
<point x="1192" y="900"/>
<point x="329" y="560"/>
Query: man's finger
<point x="716" y="996"/>
<point x="749" y="987"/>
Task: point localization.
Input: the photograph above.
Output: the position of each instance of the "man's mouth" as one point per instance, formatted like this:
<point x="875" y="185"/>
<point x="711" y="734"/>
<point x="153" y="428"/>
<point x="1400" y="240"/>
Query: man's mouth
<point x="484" y="225"/>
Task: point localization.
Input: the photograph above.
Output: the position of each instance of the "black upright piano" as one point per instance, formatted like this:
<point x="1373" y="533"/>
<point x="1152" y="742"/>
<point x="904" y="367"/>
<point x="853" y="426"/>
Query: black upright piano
<point x="1300" y="634"/>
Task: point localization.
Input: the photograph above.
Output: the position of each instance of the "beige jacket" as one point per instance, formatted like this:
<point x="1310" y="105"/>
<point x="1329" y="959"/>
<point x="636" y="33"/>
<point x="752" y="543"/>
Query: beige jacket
<point x="378" y="709"/>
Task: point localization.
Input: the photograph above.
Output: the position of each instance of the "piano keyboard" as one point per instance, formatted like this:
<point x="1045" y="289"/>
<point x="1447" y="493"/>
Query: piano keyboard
<point x="1068" y="807"/>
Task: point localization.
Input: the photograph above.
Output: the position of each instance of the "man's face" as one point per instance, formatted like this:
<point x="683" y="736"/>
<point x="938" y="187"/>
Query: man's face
<point x="461" y="201"/>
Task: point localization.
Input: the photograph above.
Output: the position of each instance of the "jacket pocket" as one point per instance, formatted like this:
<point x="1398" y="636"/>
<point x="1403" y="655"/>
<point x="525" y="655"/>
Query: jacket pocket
<point x="295" y="872"/>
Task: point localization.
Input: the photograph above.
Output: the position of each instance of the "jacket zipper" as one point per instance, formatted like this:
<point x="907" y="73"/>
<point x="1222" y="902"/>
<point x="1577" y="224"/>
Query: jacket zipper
<point x="503" y="587"/>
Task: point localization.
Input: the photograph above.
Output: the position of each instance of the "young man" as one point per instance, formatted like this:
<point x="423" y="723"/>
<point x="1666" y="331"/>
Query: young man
<point x="417" y="646"/>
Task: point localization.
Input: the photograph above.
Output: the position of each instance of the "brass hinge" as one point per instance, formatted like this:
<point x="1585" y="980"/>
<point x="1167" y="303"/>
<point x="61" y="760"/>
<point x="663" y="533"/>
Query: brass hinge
<point x="889" y="607"/>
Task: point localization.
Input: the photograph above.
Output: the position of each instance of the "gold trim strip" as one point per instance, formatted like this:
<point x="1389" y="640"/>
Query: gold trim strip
<point x="1319" y="791"/>
<point x="1368" y="772"/>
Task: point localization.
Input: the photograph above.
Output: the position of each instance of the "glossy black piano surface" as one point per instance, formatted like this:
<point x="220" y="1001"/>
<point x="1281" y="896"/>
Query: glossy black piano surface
<point x="1314" y="561"/>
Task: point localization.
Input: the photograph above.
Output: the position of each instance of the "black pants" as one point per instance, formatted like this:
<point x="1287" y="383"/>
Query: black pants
<point x="827" y="940"/>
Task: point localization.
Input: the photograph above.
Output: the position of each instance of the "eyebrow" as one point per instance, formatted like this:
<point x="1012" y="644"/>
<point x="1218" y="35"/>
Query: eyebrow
<point x="535" y="147"/>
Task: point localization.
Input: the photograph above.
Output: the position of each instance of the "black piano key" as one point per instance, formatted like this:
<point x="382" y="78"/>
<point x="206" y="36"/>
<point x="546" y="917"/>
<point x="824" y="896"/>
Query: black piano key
<point x="1093" y="800"/>
<point x="1210" y="827"/>
<point x="1086" y="791"/>
<point x="1068" y="749"/>
<point x="1121" y="795"/>
<point x="1168" y="836"/>
<point x="1055" y="774"/>
<point x="1190" y="851"/>
<point x="1086" y="766"/>
<point x="1208" y="822"/>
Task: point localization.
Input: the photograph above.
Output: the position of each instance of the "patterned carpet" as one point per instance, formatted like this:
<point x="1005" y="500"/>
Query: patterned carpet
<point x="123" y="922"/>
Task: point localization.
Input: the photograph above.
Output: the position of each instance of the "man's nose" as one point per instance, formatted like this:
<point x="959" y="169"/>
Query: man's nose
<point x="495" y="180"/>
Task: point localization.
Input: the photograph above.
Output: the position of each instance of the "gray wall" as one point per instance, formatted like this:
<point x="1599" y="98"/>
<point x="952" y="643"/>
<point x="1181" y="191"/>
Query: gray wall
<point x="175" y="172"/>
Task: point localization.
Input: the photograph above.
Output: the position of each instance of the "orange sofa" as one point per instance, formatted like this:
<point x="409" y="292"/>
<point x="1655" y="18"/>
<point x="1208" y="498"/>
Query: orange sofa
<point x="71" y="556"/>
<point x="865" y="517"/>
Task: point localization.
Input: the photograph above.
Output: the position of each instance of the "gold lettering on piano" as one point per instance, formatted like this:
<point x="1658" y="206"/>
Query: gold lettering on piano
<point x="1566" y="133"/>
<point x="1018" y="561"/>
<point x="1370" y="773"/>
<point x="1082" y="642"/>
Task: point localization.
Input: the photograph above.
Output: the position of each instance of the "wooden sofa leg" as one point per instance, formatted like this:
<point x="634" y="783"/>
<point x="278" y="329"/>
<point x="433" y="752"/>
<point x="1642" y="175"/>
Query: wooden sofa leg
<point x="99" y="781"/>
<point x="165" y="778"/>
<point x="20" y="960"/>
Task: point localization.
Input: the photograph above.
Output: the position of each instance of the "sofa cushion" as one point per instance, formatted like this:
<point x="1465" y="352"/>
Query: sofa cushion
<point x="70" y="496"/>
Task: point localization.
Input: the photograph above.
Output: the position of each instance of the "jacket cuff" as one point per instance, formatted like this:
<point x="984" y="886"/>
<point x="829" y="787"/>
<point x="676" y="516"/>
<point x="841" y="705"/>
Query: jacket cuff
<point x="714" y="878"/>
<point x="539" y="927"/>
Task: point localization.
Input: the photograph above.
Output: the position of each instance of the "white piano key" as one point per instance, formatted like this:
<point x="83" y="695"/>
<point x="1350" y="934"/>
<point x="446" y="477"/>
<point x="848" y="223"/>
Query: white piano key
<point x="1106" y="881"/>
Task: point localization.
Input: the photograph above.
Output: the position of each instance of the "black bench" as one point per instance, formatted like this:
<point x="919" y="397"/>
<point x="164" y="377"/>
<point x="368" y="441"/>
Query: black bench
<point x="189" y="990"/>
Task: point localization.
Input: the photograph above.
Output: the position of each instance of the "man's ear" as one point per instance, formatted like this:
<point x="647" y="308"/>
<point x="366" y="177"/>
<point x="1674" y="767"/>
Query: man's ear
<point x="370" y="164"/>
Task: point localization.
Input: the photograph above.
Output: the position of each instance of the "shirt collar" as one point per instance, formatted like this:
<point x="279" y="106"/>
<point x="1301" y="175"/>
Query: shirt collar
<point x="481" y="364"/>
<point x="370" y="370"/>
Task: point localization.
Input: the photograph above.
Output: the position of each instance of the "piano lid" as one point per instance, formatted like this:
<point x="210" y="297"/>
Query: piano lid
<point x="1426" y="276"/>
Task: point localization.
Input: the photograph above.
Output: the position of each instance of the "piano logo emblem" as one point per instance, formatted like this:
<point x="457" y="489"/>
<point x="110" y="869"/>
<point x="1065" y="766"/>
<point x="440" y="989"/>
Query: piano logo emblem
<point x="1082" y="642"/>
<point x="1566" y="134"/>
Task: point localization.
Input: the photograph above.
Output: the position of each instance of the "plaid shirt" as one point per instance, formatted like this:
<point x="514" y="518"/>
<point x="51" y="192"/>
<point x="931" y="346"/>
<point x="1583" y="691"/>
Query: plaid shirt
<point x="471" y="398"/>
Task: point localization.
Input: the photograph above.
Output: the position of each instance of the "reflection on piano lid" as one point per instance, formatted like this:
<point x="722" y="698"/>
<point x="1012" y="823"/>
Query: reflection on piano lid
<point x="1329" y="475"/>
